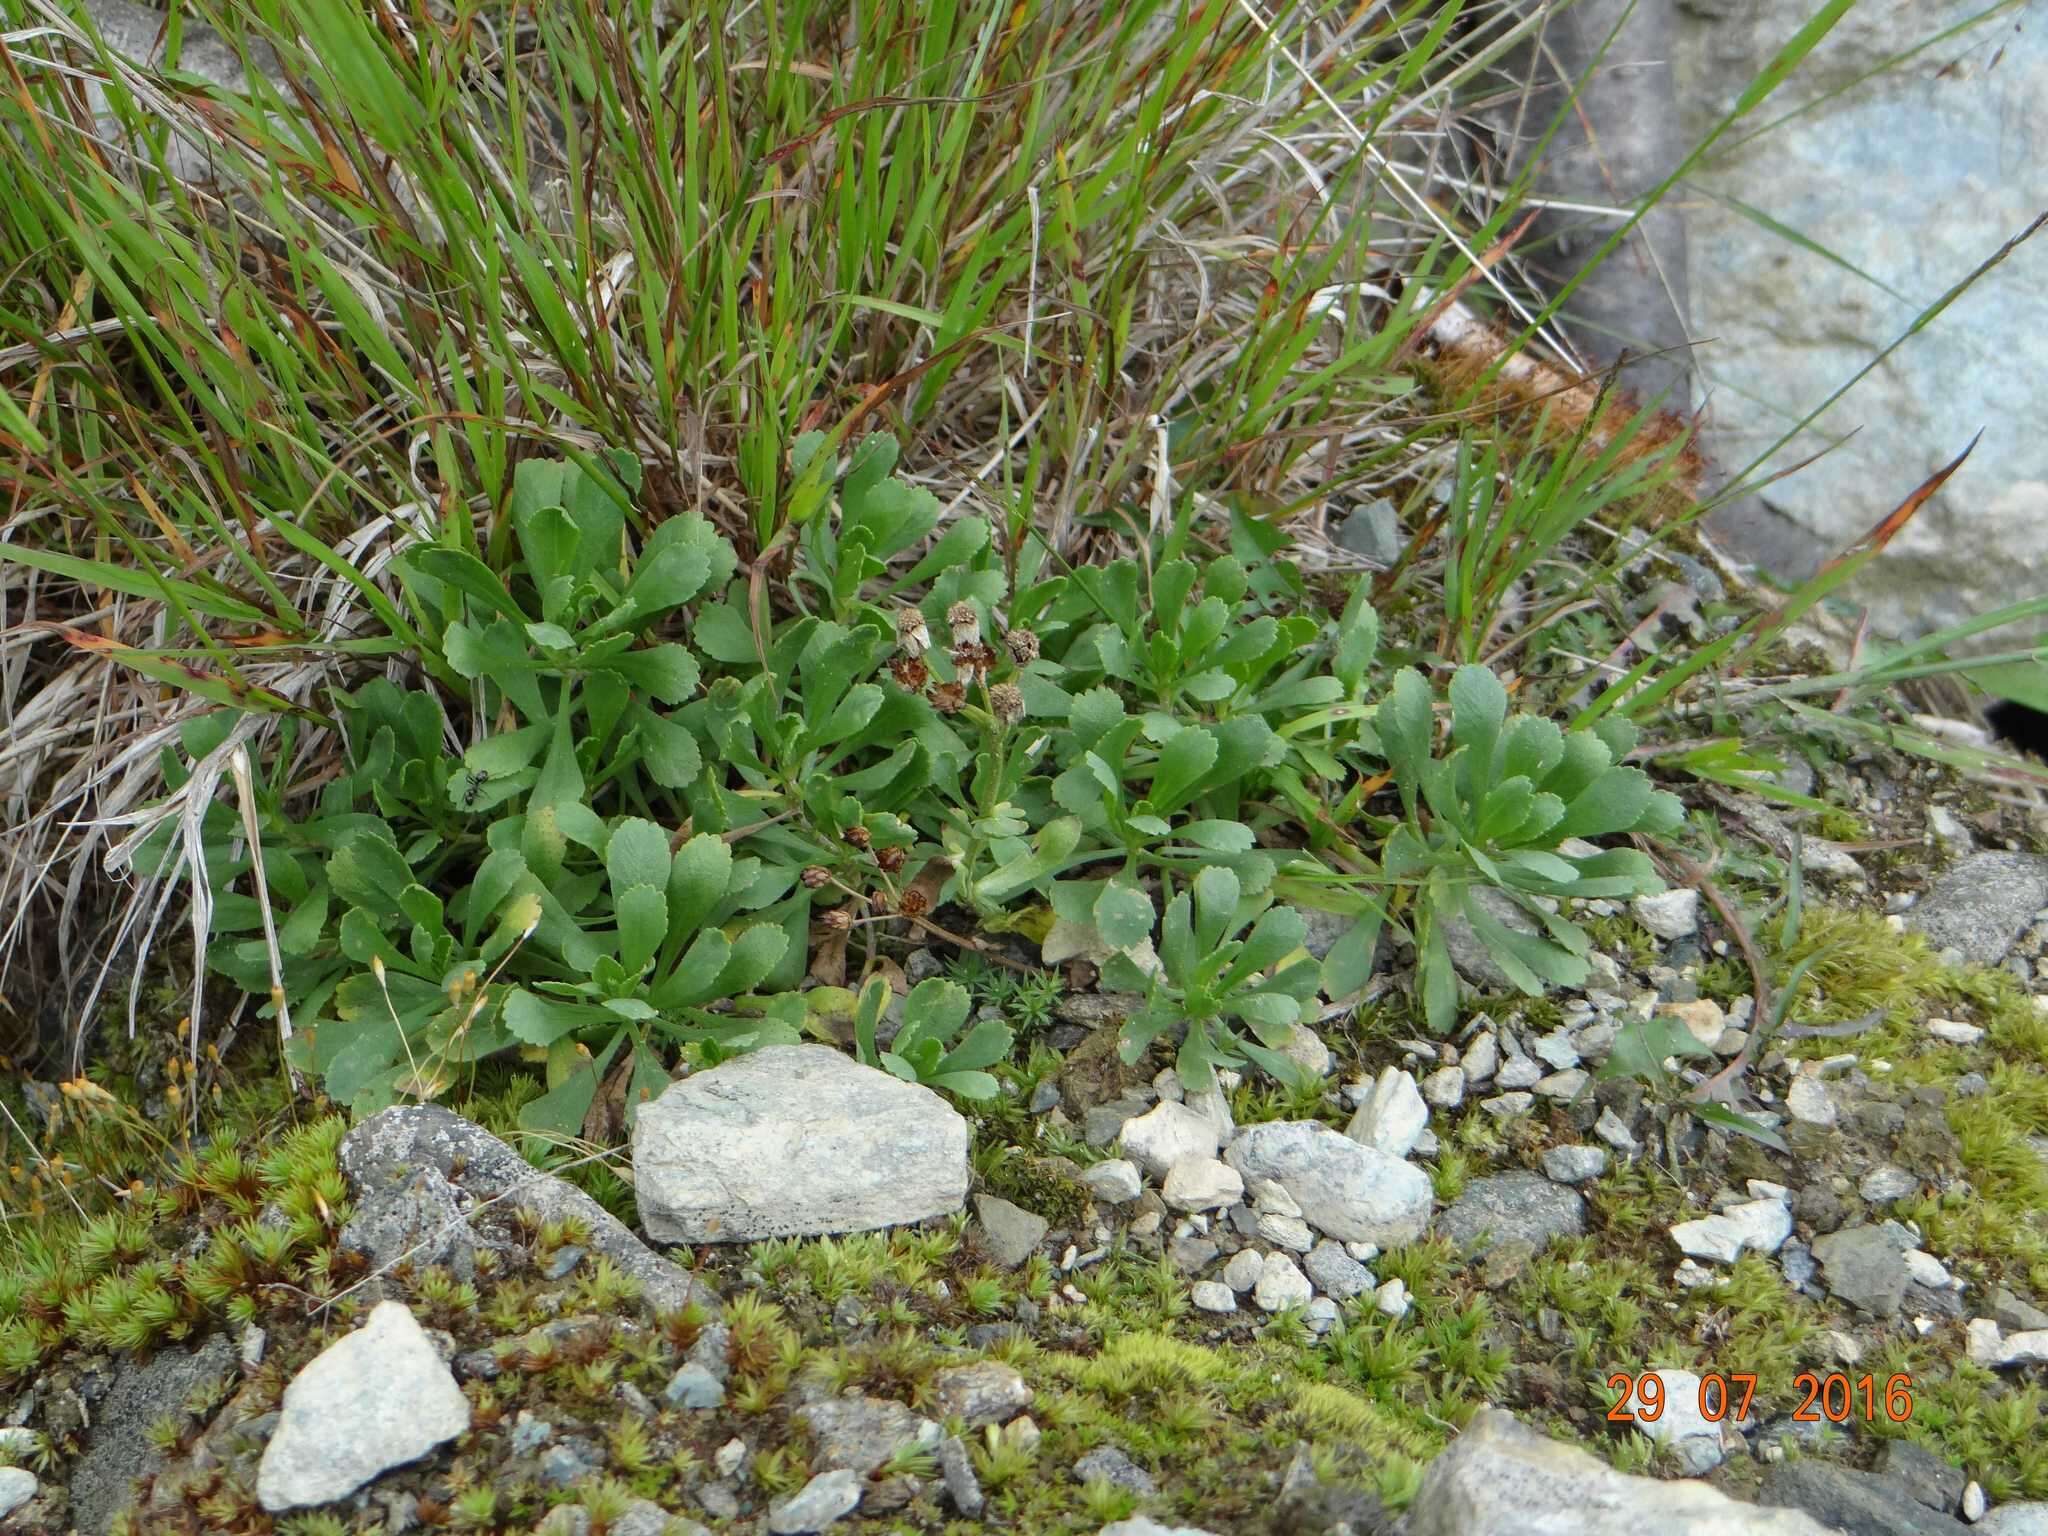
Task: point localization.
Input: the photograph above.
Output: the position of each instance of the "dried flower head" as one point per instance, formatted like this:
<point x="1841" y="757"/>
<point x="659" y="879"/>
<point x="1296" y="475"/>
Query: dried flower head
<point x="914" y="904"/>
<point x="910" y="673"/>
<point x="856" y="835"/>
<point x="816" y="876"/>
<point x="964" y="622"/>
<point x="890" y="859"/>
<point x="838" y="919"/>
<point x="1007" y="700"/>
<point x="911" y="633"/>
<point x="1023" y="646"/>
<point x="948" y="697"/>
<point x="972" y="659"/>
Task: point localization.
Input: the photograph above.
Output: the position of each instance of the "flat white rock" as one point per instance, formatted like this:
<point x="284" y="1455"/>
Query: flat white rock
<point x="1202" y="1183"/>
<point x="1281" y="1284"/>
<point x="372" y="1400"/>
<point x="792" y="1141"/>
<point x="1755" y="1226"/>
<point x="1345" y="1189"/>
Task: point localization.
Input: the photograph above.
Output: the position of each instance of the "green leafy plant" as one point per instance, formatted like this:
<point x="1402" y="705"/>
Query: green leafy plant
<point x="1213" y="975"/>
<point x="1496" y="810"/>
<point x="922" y="1050"/>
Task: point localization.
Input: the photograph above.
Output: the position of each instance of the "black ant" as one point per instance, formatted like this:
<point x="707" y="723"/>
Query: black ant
<point x="475" y="787"/>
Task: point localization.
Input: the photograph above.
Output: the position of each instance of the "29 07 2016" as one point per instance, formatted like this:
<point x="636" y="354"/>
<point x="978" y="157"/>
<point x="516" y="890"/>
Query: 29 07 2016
<point x="1833" y="1397"/>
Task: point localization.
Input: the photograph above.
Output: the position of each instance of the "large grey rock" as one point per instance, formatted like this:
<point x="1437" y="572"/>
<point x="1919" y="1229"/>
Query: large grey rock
<point x="119" y="1448"/>
<point x="986" y="1392"/>
<point x="1519" y="1206"/>
<point x="1345" y="1190"/>
<point x="1866" y="1266"/>
<point x="860" y="1433"/>
<point x="1853" y="1502"/>
<point x="406" y="1163"/>
<point x="795" y="1140"/>
<point x="1500" y="1478"/>
<point x="2023" y="1519"/>
<point x="1789" y="326"/>
<point x="1981" y="906"/>
<point x="1469" y="954"/>
<point x="374" y="1399"/>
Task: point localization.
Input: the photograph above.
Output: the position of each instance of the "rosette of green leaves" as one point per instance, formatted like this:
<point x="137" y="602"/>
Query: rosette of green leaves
<point x="1496" y="808"/>
<point x="654" y="935"/>
<point x="1213" y="975"/>
<point x="922" y="1050"/>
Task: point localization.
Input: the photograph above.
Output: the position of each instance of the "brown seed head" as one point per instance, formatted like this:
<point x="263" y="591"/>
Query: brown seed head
<point x="911" y="632"/>
<point x="964" y="622"/>
<point x="856" y="835"/>
<point x="914" y="904"/>
<point x="838" y="919"/>
<point x="1007" y="700"/>
<point x="1023" y="646"/>
<point x="816" y="876"/>
<point x="890" y="859"/>
<point x="911" y="674"/>
<point x="948" y="697"/>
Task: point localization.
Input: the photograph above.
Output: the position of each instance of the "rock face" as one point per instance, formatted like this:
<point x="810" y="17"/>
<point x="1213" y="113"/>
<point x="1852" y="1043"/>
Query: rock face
<point x="1345" y="1190"/>
<point x="1982" y="904"/>
<point x="1501" y="1478"/>
<point x="1519" y="1206"/>
<point x="795" y="1140"/>
<point x="1789" y="326"/>
<point x="1850" y="1500"/>
<point x="371" y="1401"/>
<point x="430" y="1186"/>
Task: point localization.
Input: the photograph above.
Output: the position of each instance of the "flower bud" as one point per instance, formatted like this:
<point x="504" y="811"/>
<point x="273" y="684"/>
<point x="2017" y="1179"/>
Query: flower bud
<point x="816" y="876"/>
<point x="1007" y="700"/>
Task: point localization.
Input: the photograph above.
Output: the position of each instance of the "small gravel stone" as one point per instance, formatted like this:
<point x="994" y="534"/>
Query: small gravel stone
<point x="1690" y="1433"/>
<point x="1391" y="1299"/>
<point x="17" y="1487"/>
<point x="1107" y="1464"/>
<point x="1281" y="1284"/>
<point x="1556" y="1051"/>
<point x="1509" y="1207"/>
<point x="1521" y="1072"/>
<point x="1574" y="1164"/>
<point x="1670" y="914"/>
<point x="1115" y="1181"/>
<point x="1975" y="1504"/>
<point x="1335" y="1273"/>
<point x="1243" y="1270"/>
<point x="1923" y="1268"/>
<point x="1563" y="1085"/>
<point x="824" y="1499"/>
<point x="1809" y="1102"/>
<point x="1613" y="1130"/>
<point x="1289" y="1232"/>
<point x="1213" y="1296"/>
<point x="1885" y="1183"/>
<point x="1755" y="1226"/>
<point x="1954" y="1031"/>
<point x="1445" y="1087"/>
<point x="1167" y="1133"/>
<point x="1481" y="1059"/>
<point x="1321" y="1315"/>
<point x="1392" y="1116"/>
<point x="1503" y="1106"/>
<point x="1202" y="1183"/>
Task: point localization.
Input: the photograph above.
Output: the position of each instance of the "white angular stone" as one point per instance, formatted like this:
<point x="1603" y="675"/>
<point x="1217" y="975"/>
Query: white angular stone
<point x="1673" y="914"/>
<point x="1574" y="1164"/>
<point x="1345" y="1189"/>
<point x="794" y="1140"/>
<point x="1115" y="1180"/>
<point x="1445" y="1087"/>
<point x="1923" y="1268"/>
<point x="1202" y="1184"/>
<point x="1289" y="1232"/>
<point x="1212" y="1296"/>
<point x="1563" y="1085"/>
<point x="1756" y="1226"/>
<point x="1556" y="1051"/>
<point x="17" y="1486"/>
<point x="1954" y="1031"/>
<point x="1884" y="1184"/>
<point x="1167" y="1133"/>
<point x="1281" y="1284"/>
<point x="2027" y="1348"/>
<point x="1682" y="1426"/>
<point x="1392" y="1116"/>
<point x="1242" y="1272"/>
<point x="374" y="1399"/>
<point x="1984" y="1342"/>
<point x="1809" y="1102"/>
<point x="1269" y="1196"/>
<point x="1502" y="1106"/>
<point x="817" y="1504"/>
<point x="1391" y="1299"/>
<point x="1519" y="1072"/>
<point x="1613" y="1130"/>
<point x="1481" y="1059"/>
